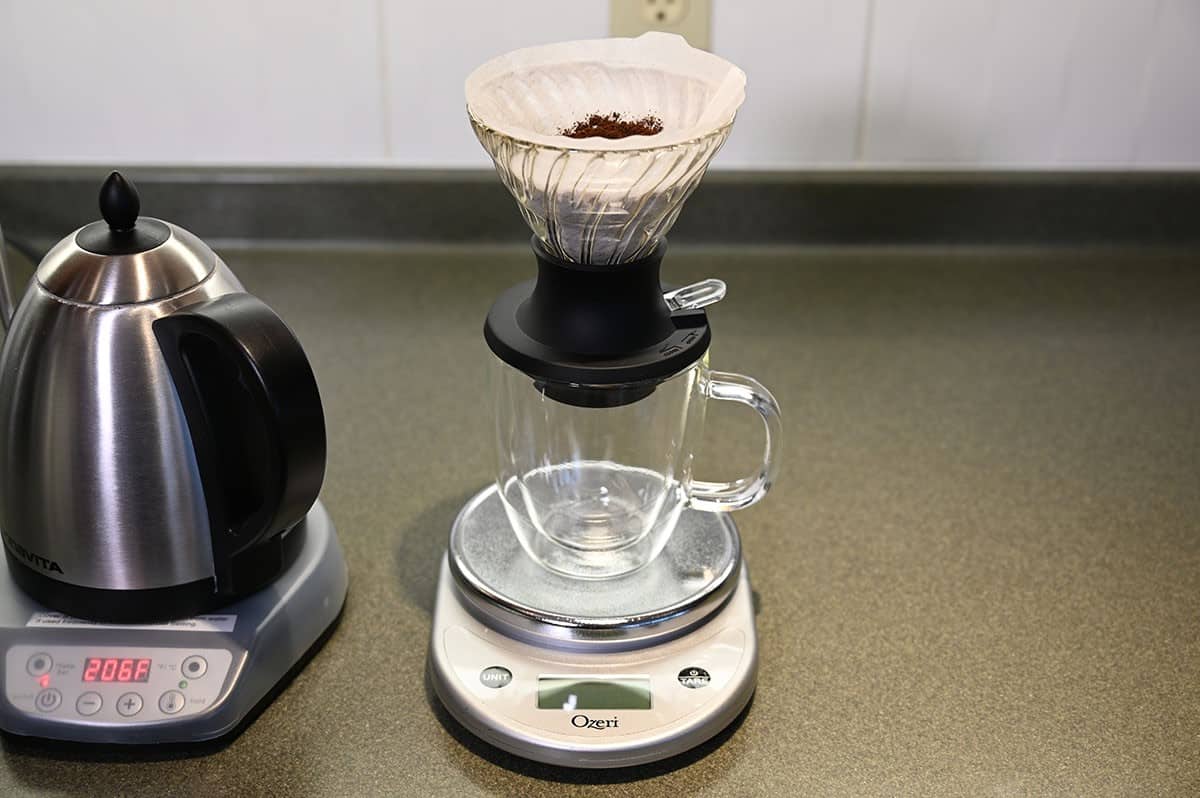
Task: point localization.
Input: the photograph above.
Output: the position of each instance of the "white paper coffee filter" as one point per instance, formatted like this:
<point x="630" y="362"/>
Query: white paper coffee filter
<point x="534" y="93"/>
<point x="598" y="200"/>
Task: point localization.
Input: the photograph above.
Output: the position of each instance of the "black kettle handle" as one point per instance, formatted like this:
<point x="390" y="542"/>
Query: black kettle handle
<point x="257" y="427"/>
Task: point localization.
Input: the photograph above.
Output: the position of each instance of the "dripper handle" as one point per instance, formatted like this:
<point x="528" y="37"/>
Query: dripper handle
<point x="695" y="296"/>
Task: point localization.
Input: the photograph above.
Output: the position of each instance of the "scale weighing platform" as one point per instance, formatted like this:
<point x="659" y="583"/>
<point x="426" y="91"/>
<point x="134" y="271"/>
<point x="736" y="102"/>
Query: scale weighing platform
<point x="182" y="681"/>
<point x="663" y="659"/>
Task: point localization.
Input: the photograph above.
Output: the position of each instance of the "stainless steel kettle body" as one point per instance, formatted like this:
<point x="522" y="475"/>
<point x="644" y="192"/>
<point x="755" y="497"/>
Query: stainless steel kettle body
<point x="159" y="430"/>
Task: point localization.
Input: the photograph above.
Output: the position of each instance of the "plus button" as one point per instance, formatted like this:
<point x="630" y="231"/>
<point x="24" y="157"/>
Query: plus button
<point x="129" y="704"/>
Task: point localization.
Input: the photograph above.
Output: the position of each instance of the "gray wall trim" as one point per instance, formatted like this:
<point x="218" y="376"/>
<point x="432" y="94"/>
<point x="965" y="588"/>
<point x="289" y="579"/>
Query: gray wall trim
<point x="381" y="206"/>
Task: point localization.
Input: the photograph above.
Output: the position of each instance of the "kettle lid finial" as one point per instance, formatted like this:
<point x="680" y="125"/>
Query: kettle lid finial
<point x="119" y="203"/>
<point x="122" y="232"/>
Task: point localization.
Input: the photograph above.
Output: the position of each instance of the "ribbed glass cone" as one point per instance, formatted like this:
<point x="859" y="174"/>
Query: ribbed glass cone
<point x="594" y="200"/>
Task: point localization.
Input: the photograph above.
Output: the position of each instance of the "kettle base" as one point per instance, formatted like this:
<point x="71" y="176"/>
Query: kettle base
<point x="138" y="606"/>
<point x="113" y="606"/>
<point x="191" y="680"/>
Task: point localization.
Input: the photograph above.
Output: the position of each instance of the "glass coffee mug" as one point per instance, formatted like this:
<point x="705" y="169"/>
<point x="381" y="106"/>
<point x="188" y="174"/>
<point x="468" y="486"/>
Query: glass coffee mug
<point x="595" y="492"/>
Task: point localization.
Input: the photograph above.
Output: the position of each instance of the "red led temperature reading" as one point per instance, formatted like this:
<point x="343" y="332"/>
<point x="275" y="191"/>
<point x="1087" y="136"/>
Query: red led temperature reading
<point x="116" y="669"/>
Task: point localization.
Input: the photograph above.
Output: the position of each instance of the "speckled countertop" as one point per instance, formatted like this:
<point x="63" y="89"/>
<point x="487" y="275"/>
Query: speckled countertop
<point x="979" y="573"/>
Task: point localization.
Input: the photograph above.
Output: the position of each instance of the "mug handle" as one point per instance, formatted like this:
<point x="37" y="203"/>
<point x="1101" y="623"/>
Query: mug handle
<point x="743" y="492"/>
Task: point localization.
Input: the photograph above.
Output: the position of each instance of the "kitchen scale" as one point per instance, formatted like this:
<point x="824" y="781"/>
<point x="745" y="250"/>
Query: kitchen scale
<point x="183" y="681"/>
<point x="663" y="658"/>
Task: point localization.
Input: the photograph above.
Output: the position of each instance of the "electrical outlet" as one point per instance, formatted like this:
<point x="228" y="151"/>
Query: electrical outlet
<point x="691" y="19"/>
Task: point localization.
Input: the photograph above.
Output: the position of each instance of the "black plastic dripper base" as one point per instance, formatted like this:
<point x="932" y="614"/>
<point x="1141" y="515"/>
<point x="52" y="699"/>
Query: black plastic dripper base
<point x="595" y="336"/>
<point x="595" y="395"/>
<point x="597" y="310"/>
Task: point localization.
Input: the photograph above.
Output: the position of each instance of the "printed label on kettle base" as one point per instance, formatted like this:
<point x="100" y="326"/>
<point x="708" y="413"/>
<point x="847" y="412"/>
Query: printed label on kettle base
<point x="200" y="623"/>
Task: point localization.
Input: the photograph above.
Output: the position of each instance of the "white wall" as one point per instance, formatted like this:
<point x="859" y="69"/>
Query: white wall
<point x="1006" y="83"/>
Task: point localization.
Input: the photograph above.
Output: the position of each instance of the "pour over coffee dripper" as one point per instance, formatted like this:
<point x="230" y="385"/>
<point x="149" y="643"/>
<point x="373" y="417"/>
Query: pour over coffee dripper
<point x="602" y="376"/>
<point x="595" y="200"/>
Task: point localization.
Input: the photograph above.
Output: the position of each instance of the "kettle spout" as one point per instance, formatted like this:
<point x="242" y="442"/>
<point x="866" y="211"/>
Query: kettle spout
<point x="7" y="308"/>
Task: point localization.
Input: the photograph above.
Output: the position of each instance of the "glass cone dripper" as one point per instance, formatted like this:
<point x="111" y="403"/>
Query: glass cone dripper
<point x="595" y="200"/>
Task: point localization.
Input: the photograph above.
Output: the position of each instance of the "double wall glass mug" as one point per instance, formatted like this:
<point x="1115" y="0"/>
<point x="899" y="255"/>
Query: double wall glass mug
<point x="595" y="491"/>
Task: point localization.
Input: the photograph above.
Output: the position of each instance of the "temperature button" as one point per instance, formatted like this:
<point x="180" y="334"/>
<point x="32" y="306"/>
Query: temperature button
<point x="48" y="700"/>
<point x="194" y="667"/>
<point x="129" y="704"/>
<point x="88" y="704"/>
<point x="171" y="702"/>
<point x="39" y="664"/>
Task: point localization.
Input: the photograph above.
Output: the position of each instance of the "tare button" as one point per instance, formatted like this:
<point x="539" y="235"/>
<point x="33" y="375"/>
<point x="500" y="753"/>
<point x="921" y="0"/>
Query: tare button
<point x="694" y="678"/>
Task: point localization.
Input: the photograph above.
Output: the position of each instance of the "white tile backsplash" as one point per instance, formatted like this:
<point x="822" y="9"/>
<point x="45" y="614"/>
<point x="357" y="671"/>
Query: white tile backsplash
<point x="432" y="47"/>
<point x="1168" y="132"/>
<point x="1030" y="83"/>
<point x="269" y="81"/>
<point x="804" y="67"/>
<point x="927" y="67"/>
<point x="1105" y="78"/>
<point x="970" y="83"/>
<point x="1024" y="92"/>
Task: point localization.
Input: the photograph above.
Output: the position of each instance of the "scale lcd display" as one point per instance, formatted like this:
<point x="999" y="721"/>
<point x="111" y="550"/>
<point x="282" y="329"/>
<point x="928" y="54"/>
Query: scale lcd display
<point x="116" y="669"/>
<point x="558" y="692"/>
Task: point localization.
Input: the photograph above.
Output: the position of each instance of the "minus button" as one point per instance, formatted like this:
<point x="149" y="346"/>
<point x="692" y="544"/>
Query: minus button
<point x="88" y="704"/>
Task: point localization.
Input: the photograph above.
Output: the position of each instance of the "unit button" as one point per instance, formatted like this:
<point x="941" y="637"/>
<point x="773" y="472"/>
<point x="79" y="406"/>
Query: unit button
<point x="48" y="700"/>
<point x="171" y="702"/>
<point x="495" y="677"/>
<point x="694" y="677"/>
<point x="194" y="667"/>
<point x="39" y="664"/>
<point x="88" y="704"/>
<point x="129" y="704"/>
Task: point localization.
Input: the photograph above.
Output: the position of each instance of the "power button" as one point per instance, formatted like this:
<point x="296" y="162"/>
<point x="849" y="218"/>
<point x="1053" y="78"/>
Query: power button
<point x="48" y="700"/>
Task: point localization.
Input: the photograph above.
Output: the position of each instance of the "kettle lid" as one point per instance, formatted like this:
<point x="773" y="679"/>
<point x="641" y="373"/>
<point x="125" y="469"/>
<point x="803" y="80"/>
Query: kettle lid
<point x="125" y="258"/>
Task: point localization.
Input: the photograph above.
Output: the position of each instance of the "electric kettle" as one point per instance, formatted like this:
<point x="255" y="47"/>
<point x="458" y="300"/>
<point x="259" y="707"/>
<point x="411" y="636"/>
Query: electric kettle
<point x="160" y="428"/>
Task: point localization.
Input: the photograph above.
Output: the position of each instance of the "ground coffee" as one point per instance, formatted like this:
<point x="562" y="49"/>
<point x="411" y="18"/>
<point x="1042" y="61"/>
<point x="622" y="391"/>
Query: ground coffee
<point x="613" y="126"/>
